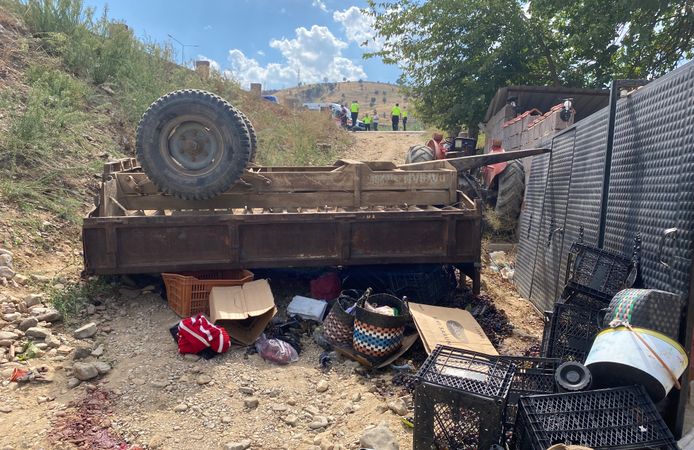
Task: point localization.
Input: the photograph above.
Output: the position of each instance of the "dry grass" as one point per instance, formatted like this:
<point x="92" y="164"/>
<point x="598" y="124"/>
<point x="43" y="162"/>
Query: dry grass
<point x="496" y="228"/>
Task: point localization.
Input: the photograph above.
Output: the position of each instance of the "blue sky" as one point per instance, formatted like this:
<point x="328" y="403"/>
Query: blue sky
<point x="263" y="40"/>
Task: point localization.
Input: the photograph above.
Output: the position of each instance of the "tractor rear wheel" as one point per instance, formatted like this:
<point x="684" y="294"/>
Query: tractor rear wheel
<point x="510" y="193"/>
<point x="193" y="144"/>
<point x="419" y="153"/>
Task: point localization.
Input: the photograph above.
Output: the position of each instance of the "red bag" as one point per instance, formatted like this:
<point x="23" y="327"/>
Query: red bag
<point x="197" y="333"/>
<point x="326" y="287"/>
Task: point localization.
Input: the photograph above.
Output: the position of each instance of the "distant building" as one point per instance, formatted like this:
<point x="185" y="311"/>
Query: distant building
<point x="535" y="103"/>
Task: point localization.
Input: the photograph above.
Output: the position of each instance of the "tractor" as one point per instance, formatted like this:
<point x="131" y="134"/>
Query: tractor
<point x="500" y="185"/>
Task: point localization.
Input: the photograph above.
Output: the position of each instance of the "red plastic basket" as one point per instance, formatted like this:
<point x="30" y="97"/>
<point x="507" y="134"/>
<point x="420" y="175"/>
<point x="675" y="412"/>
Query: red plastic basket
<point x="188" y="293"/>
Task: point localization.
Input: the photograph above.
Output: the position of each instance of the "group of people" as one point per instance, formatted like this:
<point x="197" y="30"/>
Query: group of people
<point x="396" y="115"/>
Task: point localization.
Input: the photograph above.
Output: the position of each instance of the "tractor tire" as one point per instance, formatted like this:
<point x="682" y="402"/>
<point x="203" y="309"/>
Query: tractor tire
<point x="193" y="144"/>
<point x="253" y="138"/>
<point x="419" y="153"/>
<point x="469" y="186"/>
<point x="510" y="193"/>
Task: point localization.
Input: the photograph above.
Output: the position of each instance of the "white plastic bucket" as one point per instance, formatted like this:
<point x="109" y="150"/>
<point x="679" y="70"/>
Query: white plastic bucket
<point x="619" y="358"/>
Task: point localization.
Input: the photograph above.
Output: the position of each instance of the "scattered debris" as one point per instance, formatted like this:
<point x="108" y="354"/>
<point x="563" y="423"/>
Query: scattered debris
<point x="275" y="350"/>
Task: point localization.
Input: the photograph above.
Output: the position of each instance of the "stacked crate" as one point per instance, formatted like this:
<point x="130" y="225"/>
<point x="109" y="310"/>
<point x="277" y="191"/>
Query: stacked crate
<point x="460" y="402"/>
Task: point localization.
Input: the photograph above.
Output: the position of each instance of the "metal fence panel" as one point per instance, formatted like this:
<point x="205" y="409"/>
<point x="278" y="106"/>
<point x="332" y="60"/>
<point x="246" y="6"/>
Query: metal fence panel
<point x="651" y="185"/>
<point x="529" y="226"/>
<point x="550" y="243"/>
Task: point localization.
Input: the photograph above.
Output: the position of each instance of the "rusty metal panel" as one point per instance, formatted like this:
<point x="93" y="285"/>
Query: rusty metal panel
<point x="401" y="238"/>
<point x="467" y="246"/>
<point x="288" y="240"/>
<point x="94" y="249"/>
<point x="165" y="244"/>
<point x="172" y="243"/>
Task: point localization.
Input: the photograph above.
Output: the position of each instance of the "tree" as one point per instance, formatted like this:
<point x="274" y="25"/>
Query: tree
<point x="457" y="53"/>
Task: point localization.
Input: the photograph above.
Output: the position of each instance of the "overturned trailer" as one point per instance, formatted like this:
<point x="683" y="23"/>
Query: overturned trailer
<point x="352" y="213"/>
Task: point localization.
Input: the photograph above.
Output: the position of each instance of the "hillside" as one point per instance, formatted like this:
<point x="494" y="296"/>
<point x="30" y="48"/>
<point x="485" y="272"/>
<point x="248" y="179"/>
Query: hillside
<point x="370" y="95"/>
<point x="72" y="90"/>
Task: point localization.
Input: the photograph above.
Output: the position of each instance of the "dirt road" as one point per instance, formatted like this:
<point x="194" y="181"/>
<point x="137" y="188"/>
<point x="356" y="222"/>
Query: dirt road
<point x="384" y="145"/>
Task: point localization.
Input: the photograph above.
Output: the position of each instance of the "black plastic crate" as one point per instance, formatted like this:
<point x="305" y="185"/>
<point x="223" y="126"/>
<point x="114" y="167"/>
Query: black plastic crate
<point x="429" y="284"/>
<point x="619" y="418"/>
<point x="572" y="331"/>
<point x="467" y="371"/>
<point x="461" y="400"/>
<point x="532" y="376"/>
<point x="598" y="270"/>
<point x="575" y="294"/>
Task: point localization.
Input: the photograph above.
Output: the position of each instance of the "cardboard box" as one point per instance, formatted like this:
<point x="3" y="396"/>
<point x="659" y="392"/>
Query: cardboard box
<point x="449" y="326"/>
<point x="244" y="311"/>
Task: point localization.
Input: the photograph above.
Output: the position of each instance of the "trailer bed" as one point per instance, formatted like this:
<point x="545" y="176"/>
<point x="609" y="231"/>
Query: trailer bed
<point x="136" y="229"/>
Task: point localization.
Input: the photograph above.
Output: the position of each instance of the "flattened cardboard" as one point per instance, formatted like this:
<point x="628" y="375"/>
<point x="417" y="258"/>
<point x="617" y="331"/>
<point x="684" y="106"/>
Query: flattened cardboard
<point x="243" y="311"/>
<point x="449" y="326"/>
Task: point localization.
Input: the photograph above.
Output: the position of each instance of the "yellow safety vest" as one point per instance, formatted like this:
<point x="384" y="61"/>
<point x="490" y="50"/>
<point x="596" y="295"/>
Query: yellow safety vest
<point x="367" y="120"/>
<point x="395" y="111"/>
<point x="354" y="107"/>
<point x="404" y="114"/>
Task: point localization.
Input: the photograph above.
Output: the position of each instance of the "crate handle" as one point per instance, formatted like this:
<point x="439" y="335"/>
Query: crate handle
<point x="666" y="234"/>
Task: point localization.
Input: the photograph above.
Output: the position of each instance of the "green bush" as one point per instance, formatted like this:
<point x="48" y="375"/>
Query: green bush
<point x="71" y="299"/>
<point x="63" y="16"/>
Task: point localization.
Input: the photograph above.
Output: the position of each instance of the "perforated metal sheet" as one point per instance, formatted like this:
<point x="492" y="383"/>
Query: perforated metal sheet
<point x="544" y="289"/>
<point x="529" y="226"/>
<point x="652" y="178"/>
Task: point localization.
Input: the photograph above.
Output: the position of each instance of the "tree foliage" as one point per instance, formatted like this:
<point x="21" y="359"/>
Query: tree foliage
<point x="455" y="54"/>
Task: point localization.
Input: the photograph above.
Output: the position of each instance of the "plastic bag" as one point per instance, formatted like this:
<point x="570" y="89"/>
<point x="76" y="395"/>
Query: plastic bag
<point x="385" y="310"/>
<point x="275" y="350"/>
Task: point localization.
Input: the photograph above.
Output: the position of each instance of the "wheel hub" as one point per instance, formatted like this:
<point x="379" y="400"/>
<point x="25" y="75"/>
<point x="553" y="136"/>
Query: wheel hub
<point x="193" y="146"/>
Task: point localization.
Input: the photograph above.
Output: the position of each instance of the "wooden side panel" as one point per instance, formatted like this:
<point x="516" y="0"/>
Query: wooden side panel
<point x="352" y="185"/>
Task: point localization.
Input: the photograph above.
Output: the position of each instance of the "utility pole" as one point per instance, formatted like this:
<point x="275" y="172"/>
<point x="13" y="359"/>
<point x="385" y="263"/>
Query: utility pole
<point x="183" y="48"/>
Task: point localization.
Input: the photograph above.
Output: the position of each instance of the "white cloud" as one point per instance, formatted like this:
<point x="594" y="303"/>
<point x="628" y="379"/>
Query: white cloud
<point x="207" y="27"/>
<point x="261" y="53"/>
<point x="320" y="4"/>
<point x="317" y="53"/>
<point x="358" y="27"/>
